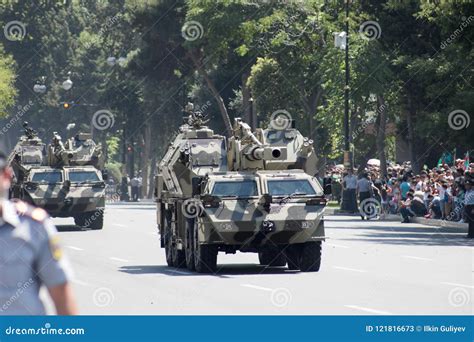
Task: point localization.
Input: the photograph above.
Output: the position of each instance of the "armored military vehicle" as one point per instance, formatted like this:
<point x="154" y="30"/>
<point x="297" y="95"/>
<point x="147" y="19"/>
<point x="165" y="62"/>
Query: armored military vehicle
<point x="64" y="179"/>
<point x="249" y="197"/>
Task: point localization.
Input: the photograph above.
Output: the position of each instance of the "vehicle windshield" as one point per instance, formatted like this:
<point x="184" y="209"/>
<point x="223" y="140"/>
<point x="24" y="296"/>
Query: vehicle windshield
<point x="47" y="177"/>
<point x="286" y="187"/>
<point x="243" y="188"/>
<point x="83" y="176"/>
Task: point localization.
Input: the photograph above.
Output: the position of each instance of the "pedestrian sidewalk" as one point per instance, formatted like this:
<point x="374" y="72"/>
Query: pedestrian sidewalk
<point x="392" y="217"/>
<point x="145" y="201"/>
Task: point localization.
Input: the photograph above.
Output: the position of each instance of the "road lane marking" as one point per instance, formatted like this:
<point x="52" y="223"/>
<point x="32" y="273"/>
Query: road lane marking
<point x="257" y="287"/>
<point x="335" y="245"/>
<point x="118" y="225"/>
<point x="75" y="248"/>
<point x="361" y="308"/>
<point x="349" y="269"/>
<point x="79" y="282"/>
<point x="118" y="259"/>
<point x="416" y="258"/>
<point x="461" y="285"/>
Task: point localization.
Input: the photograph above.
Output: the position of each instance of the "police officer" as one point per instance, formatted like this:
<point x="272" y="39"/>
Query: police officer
<point x="30" y="257"/>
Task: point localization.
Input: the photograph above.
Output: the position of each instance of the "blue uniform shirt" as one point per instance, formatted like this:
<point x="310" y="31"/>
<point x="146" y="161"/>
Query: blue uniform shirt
<point x="30" y="256"/>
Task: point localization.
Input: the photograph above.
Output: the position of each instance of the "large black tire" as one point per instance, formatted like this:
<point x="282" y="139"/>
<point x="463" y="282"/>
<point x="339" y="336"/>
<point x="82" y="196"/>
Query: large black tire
<point x="292" y="253"/>
<point x="96" y="220"/>
<point x="93" y="219"/>
<point x="310" y="256"/>
<point x="189" y="244"/>
<point x="79" y="220"/>
<point x="174" y="257"/>
<point x="205" y="256"/>
<point x="272" y="258"/>
<point x="168" y="241"/>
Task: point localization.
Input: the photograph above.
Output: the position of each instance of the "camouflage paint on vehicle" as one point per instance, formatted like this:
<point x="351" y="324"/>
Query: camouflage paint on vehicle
<point x="79" y="191"/>
<point x="195" y="222"/>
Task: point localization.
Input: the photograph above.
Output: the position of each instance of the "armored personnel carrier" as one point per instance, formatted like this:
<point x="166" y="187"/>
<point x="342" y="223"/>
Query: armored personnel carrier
<point x="64" y="179"/>
<point x="249" y="197"/>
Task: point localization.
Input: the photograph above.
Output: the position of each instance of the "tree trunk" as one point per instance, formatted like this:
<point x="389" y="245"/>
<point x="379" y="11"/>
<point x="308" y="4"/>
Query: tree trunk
<point x="151" y="179"/>
<point x="145" y="166"/>
<point x="210" y="84"/>
<point x="380" y="140"/>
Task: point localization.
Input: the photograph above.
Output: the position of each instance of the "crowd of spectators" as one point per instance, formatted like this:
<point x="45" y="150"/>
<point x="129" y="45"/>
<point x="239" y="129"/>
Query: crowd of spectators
<point x="443" y="192"/>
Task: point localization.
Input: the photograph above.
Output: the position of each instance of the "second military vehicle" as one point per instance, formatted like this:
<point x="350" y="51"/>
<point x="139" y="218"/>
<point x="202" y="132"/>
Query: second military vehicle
<point x="64" y="179"/>
<point x="251" y="197"/>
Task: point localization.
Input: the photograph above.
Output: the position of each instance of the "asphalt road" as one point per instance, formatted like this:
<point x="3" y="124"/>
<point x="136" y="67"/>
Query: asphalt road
<point x="367" y="268"/>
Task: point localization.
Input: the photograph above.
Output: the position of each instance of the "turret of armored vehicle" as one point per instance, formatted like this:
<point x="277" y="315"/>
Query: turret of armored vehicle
<point x="64" y="180"/>
<point x="237" y="203"/>
<point x="27" y="153"/>
<point x="278" y="147"/>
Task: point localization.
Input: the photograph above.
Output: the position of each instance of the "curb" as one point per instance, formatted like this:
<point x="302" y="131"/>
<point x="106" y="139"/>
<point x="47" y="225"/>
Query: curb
<point x="420" y="220"/>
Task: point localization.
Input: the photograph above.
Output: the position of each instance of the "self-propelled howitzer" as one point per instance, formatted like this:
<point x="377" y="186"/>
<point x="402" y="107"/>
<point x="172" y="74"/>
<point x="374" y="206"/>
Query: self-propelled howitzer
<point x="65" y="181"/>
<point x="250" y="198"/>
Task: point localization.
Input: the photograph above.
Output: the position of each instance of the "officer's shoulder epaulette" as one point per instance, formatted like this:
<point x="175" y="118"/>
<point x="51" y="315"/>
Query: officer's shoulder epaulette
<point x="36" y="214"/>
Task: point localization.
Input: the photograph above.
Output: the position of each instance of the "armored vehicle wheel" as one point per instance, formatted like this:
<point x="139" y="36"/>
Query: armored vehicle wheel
<point x="96" y="220"/>
<point x="189" y="244"/>
<point x="292" y="257"/>
<point x="79" y="220"/>
<point x="205" y="256"/>
<point x="310" y="256"/>
<point x="168" y="247"/>
<point x="272" y="258"/>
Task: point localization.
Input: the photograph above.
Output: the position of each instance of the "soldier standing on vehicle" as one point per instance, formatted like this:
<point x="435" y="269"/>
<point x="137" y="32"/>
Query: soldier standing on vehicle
<point x="30" y="257"/>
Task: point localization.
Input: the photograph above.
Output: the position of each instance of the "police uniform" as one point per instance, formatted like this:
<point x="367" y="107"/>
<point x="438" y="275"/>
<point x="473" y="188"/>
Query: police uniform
<point x="30" y="256"/>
